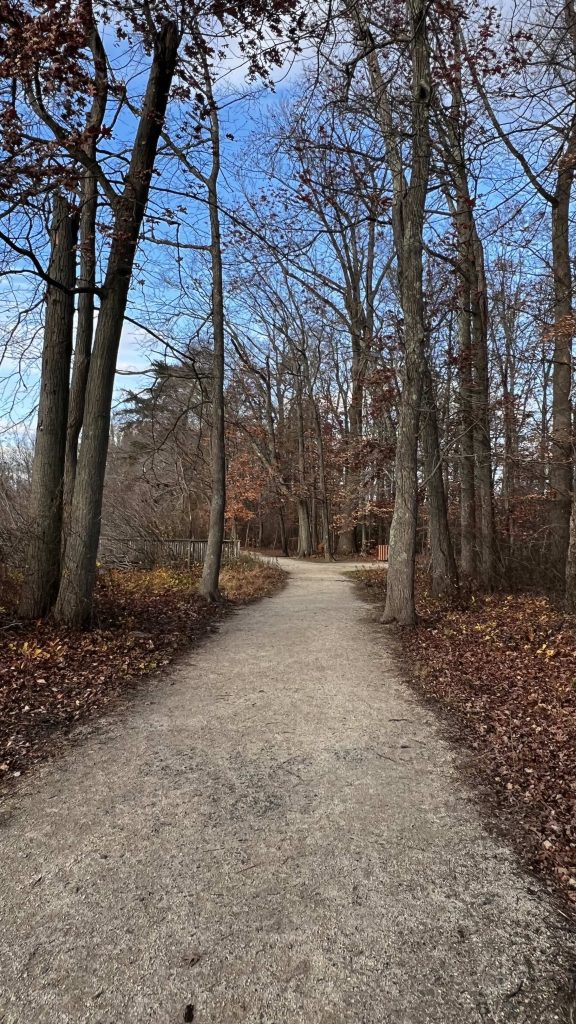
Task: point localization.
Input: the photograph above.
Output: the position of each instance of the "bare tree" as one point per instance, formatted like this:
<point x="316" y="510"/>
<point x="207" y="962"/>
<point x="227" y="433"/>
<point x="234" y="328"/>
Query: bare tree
<point x="444" y="570"/>
<point x="74" y="604"/>
<point x="42" y="575"/>
<point x="87" y="269"/>
<point x="552" y="34"/>
<point x="408" y="227"/>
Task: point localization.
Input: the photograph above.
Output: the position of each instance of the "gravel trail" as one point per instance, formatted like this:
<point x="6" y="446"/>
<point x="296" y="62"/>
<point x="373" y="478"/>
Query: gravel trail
<point x="275" y="833"/>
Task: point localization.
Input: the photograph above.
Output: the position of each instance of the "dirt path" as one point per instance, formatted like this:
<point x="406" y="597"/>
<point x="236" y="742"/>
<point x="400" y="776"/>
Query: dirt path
<point x="277" y="835"/>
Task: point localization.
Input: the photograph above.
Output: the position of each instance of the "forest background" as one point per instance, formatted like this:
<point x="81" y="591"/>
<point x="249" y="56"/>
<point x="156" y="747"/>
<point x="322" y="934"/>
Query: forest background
<point x="314" y="187"/>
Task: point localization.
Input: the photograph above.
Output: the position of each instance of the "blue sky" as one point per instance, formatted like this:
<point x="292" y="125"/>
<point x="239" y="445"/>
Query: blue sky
<point x="137" y="347"/>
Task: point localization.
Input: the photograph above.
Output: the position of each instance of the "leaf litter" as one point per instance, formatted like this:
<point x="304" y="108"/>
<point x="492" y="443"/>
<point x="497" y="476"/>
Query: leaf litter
<point x="53" y="679"/>
<point x="502" y="667"/>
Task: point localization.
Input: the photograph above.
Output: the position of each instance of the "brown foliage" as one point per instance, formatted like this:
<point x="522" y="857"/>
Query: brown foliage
<point x="52" y="679"/>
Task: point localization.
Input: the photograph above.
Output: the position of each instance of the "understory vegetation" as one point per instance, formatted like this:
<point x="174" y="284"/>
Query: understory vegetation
<point x="53" y="679"/>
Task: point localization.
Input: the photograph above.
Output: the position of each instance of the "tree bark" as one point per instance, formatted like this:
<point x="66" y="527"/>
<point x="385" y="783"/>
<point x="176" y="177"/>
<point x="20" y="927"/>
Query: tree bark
<point x="562" y="466"/>
<point x="74" y="605"/>
<point x="283" y="537"/>
<point x="84" y="335"/>
<point x="506" y="307"/>
<point x="275" y="466"/>
<point x="347" y="536"/>
<point x="467" y="481"/>
<point x="408" y="207"/>
<point x="324" y="512"/>
<point x="561" y="435"/>
<point x="570" y="596"/>
<point x="481" y="412"/>
<point x="400" y="604"/>
<point x="444" y="571"/>
<point x="87" y="274"/>
<point x="408" y="225"/>
<point x="211" y="572"/>
<point x="322" y="480"/>
<point x="313" y="520"/>
<point x="304" y="536"/>
<point x="304" y="532"/>
<point x="477" y="505"/>
<point x="42" y="575"/>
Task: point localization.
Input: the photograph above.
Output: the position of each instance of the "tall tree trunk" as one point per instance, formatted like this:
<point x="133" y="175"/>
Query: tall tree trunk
<point x="481" y="412"/>
<point x="544" y="475"/>
<point x="347" y="535"/>
<point x="211" y="572"/>
<point x="408" y="222"/>
<point x="477" y="496"/>
<point x="507" y="364"/>
<point x="304" y="532"/>
<point x="467" y="482"/>
<point x="508" y="480"/>
<point x="408" y="227"/>
<point x="313" y="520"/>
<point x="409" y="198"/>
<point x="570" y="596"/>
<point x="322" y="480"/>
<point x="304" y="536"/>
<point x="324" y="511"/>
<point x="280" y="486"/>
<point x="400" y="605"/>
<point x="84" y="335"/>
<point x="87" y="271"/>
<point x="364" y="536"/>
<point x="42" y="575"/>
<point x="74" y="604"/>
<point x="561" y="434"/>
<point x="283" y="537"/>
<point x="477" y="506"/>
<point x="444" y="571"/>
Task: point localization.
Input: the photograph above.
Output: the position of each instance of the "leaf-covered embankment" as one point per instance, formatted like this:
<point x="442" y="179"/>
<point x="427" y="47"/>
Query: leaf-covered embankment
<point x="52" y="679"/>
<point x="504" y="669"/>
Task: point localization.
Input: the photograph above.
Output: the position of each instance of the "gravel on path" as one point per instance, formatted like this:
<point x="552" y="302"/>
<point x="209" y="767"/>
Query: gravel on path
<point x="274" y="833"/>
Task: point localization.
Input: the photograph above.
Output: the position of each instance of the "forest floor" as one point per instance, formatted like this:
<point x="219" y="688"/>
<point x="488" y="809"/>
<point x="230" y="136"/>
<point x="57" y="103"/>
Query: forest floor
<point x="53" y="680"/>
<point x="502" y="670"/>
<point x="276" y="832"/>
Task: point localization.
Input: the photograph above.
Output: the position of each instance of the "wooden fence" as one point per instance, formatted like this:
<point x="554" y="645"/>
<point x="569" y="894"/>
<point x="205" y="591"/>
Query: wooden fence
<point x="382" y="552"/>
<point x="140" y="551"/>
